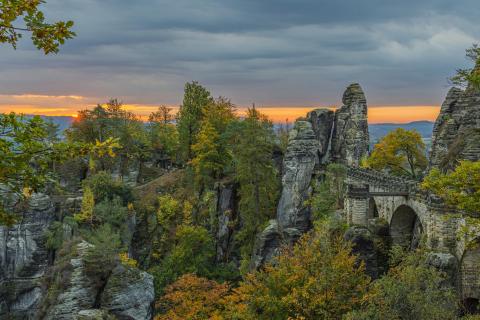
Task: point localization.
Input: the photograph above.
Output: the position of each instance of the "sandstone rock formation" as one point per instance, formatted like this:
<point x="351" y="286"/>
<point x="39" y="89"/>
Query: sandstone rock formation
<point x="299" y="164"/>
<point x="322" y="125"/>
<point x="24" y="259"/>
<point x="322" y="137"/>
<point x="456" y="133"/>
<point x="226" y="214"/>
<point x="350" y="139"/>
<point x="127" y="294"/>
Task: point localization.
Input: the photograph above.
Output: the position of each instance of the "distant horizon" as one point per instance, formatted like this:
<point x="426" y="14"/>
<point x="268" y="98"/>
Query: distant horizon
<point x="278" y="114"/>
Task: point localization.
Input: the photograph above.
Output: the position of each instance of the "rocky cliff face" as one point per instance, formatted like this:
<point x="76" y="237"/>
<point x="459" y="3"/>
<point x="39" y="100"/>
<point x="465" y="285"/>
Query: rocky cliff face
<point x="24" y="259"/>
<point x="300" y="160"/>
<point x="127" y="294"/>
<point x="320" y="138"/>
<point x="350" y="139"/>
<point x="456" y="133"/>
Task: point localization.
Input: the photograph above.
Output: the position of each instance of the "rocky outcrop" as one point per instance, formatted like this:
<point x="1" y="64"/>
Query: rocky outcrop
<point x="128" y="293"/>
<point x="322" y="125"/>
<point x="226" y="215"/>
<point x="299" y="164"/>
<point x="269" y="242"/>
<point x="456" y="133"/>
<point x="371" y="246"/>
<point x="80" y="293"/>
<point x="320" y="138"/>
<point x="350" y="139"/>
<point x="24" y="258"/>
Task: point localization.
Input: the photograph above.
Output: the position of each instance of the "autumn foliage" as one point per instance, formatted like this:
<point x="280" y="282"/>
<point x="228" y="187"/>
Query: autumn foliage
<point x="192" y="297"/>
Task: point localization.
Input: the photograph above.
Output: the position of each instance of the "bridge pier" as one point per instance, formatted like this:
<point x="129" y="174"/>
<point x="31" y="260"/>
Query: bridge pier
<point x="356" y="205"/>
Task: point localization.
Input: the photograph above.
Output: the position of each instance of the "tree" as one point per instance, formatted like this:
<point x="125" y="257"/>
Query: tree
<point x="163" y="134"/>
<point x="257" y="176"/>
<point x="193" y="252"/>
<point x="401" y="152"/>
<point x="210" y="156"/>
<point x="111" y="121"/>
<point x="191" y="297"/>
<point x="328" y="194"/>
<point x="410" y="290"/>
<point x="45" y="36"/>
<point x="162" y="115"/>
<point x="27" y="155"/>
<point x="469" y="76"/>
<point x="459" y="188"/>
<point x="102" y="254"/>
<point x="88" y="204"/>
<point x="190" y="116"/>
<point x="318" y="279"/>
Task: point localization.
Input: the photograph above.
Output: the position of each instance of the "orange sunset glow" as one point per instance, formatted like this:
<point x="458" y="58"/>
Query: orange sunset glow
<point x="68" y="105"/>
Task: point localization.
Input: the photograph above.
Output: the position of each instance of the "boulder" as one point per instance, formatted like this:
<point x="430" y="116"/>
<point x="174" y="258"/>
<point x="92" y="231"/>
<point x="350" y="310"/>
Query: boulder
<point x="269" y="242"/>
<point x="129" y="294"/>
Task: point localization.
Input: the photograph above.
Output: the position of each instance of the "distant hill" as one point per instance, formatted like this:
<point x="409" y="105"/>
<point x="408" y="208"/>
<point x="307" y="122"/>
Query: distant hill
<point x="63" y="122"/>
<point x="378" y="130"/>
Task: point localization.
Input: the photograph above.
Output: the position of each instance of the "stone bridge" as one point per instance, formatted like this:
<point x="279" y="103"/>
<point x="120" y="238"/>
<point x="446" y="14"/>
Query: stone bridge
<point x="413" y="215"/>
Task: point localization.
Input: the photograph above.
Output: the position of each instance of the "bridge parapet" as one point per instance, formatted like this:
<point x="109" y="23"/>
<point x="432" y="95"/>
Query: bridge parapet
<point x="375" y="178"/>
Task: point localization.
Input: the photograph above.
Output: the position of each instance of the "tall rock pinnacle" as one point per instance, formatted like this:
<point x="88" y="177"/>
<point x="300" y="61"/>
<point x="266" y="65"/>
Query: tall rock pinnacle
<point x="350" y="139"/>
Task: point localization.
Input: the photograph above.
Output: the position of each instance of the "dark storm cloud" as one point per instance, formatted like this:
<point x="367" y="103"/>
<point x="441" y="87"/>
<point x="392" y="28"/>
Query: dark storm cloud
<point x="272" y="52"/>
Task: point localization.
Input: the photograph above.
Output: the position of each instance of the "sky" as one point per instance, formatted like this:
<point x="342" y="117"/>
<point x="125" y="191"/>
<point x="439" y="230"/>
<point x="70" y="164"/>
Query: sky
<point x="286" y="56"/>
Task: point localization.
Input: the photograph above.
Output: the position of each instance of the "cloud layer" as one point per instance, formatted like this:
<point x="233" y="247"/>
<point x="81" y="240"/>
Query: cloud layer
<point x="282" y="52"/>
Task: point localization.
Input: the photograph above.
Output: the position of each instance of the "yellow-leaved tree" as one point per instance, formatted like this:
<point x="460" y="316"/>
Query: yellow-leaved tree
<point x="400" y="152"/>
<point x="318" y="279"/>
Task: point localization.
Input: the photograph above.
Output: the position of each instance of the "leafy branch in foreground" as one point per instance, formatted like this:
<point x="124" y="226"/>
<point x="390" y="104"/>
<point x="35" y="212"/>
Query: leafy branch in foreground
<point x="27" y="156"/>
<point x="45" y="36"/>
<point x="469" y="76"/>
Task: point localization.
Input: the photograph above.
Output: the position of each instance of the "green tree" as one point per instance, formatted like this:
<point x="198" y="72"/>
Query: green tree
<point x="88" y="203"/>
<point x="102" y="255"/>
<point x="111" y="121"/>
<point x="163" y="134"/>
<point x="469" y="76"/>
<point x="210" y="156"/>
<point x="27" y="155"/>
<point x="193" y="252"/>
<point x="257" y="176"/>
<point x="105" y="187"/>
<point x="410" y="290"/>
<point x="459" y="188"/>
<point x="45" y="36"/>
<point x="328" y="194"/>
<point x="190" y="116"/>
<point x="401" y="152"/>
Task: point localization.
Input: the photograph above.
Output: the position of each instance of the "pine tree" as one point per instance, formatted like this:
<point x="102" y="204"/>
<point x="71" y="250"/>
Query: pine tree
<point x="257" y="176"/>
<point x="190" y="116"/>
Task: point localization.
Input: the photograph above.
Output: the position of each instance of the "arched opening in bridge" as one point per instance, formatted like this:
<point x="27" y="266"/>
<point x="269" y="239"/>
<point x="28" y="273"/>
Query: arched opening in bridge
<point x="405" y="228"/>
<point x="470" y="278"/>
<point x="372" y="209"/>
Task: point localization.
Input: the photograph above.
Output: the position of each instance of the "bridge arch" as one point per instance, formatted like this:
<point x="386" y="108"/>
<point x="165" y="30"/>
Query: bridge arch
<point x="405" y="227"/>
<point x="470" y="278"/>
